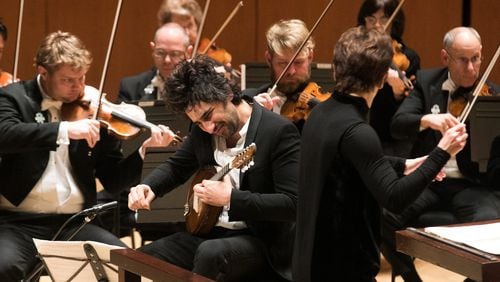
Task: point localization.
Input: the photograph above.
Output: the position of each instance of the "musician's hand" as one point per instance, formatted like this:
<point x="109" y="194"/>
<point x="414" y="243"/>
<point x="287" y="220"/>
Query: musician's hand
<point x="439" y="122"/>
<point x="87" y="129"/>
<point x="397" y="85"/>
<point x="454" y="139"/>
<point x="413" y="164"/>
<point x="266" y="101"/>
<point x="161" y="136"/>
<point x="140" y="197"/>
<point x="215" y="193"/>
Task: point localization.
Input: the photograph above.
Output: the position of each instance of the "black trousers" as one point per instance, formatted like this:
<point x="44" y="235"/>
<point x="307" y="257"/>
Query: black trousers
<point x="17" y="231"/>
<point x="223" y="255"/>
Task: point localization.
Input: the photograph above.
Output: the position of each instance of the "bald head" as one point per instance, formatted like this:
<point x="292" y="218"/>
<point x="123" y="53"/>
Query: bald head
<point x="170" y="45"/>
<point x="461" y="35"/>
<point x="461" y="54"/>
<point x="173" y="31"/>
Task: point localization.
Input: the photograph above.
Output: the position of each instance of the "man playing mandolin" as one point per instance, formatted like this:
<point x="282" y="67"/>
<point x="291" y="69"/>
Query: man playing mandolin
<point x="253" y="235"/>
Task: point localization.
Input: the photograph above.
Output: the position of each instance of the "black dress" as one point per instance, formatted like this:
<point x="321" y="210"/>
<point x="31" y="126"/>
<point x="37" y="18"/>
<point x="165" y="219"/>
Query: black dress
<point x="343" y="179"/>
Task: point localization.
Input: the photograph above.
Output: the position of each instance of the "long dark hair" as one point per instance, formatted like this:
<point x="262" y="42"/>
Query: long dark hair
<point x="369" y="7"/>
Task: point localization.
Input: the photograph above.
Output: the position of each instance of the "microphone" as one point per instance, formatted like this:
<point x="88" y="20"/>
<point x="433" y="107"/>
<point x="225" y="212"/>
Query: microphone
<point x="99" y="208"/>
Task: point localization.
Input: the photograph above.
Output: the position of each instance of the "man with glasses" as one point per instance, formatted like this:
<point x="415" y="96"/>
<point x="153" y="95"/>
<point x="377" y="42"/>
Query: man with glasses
<point x="169" y="46"/>
<point x="425" y="115"/>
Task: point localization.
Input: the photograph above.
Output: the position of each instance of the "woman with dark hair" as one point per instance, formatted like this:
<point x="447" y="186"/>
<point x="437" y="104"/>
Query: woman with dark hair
<point x="344" y="178"/>
<point x="375" y="14"/>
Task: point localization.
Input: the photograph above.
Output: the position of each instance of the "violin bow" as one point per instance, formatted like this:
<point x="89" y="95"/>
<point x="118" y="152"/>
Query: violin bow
<point x="393" y="15"/>
<point x="479" y="86"/>
<point x="300" y="47"/>
<point x="228" y="19"/>
<point x="403" y="77"/>
<point x="108" y="55"/>
<point x="200" y="29"/>
<point x="18" y="39"/>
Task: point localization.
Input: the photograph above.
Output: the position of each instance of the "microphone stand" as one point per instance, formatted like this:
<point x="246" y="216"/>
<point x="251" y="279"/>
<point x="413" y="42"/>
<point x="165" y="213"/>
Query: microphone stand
<point x="36" y="272"/>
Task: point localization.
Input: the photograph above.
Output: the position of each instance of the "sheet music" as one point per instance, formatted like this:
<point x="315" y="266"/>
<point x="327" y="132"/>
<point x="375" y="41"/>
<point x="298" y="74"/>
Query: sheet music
<point x="64" y="258"/>
<point x="484" y="237"/>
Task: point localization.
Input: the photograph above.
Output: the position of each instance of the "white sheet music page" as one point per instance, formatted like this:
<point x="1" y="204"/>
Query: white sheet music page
<point x="484" y="237"/>
<point x="65" y="258"/>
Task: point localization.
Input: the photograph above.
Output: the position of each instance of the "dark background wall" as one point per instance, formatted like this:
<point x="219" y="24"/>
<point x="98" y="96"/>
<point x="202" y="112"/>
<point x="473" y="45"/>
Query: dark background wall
<point x="91" y="20"/>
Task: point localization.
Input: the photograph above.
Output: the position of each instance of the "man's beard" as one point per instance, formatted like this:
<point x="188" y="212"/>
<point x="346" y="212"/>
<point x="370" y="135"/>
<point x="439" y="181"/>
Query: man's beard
<point x="291" y="88"/>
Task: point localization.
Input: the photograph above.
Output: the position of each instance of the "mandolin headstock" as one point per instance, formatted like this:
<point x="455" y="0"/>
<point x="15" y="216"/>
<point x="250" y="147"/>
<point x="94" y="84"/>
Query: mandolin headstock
<point x="244" y="159"/>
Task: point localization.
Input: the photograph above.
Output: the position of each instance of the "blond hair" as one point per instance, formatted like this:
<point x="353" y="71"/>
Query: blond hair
<point x="62" y="48"/>
<point x="288" y="35"/>
<point x="184" y="8"/>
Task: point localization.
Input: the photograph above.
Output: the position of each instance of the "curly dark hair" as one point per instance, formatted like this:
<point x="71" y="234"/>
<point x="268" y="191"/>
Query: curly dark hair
<point x="361" y="59"/>
<point x="199" y="80"/>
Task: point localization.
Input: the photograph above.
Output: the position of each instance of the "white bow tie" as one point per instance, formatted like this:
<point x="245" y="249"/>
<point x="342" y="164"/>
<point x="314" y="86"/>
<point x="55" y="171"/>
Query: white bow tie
<point x="48" y="103"/>
<point x="449" y="85"/>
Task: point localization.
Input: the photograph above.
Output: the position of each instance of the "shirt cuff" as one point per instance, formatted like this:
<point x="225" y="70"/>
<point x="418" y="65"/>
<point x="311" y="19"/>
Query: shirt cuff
<point x="62" y="134"/>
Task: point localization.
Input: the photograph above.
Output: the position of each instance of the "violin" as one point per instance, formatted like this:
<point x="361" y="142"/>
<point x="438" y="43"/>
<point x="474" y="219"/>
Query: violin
<point x="461" y="96"/>
<point x="400" y="63"/>
<point x="5" y="78"/>
<point x="124" y="121"/>
<point x="399" y="58"/>
<point x="214" y="52"/>
<point x="300" y="108"/>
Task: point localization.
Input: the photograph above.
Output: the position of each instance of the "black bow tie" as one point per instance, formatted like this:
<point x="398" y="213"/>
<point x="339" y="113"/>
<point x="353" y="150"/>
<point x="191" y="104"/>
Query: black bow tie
<point x="463" y="92"/>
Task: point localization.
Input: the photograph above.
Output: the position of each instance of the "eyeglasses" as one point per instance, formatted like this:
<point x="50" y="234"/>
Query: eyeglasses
<point x="373" y="20"/>
<point x="463" y="61"/>
<point x="174" y="55"/>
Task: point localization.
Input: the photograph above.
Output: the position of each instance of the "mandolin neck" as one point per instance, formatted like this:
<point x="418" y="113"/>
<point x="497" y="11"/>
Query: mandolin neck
<point x="221" y="173"/>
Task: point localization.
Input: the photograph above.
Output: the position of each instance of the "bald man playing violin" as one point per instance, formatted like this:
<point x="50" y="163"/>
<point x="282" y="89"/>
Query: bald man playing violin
<point x="424" y="116"/>
<point x="49" y="166"/>
<point x="170" y="46"/>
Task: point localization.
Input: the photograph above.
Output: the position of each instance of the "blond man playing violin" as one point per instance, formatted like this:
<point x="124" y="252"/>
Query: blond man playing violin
<point x="283" y="40"/>
<point x="49" y="166"/>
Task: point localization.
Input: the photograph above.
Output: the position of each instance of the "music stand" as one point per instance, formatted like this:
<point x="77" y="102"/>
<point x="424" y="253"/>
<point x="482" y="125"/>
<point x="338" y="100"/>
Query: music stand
<point x="77" y="260"/>
<point x="484" y="127"/>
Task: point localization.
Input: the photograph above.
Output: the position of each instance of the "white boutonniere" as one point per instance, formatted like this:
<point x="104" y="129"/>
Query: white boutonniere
<point x="39" y="118"/>
<point x="435" y="109"/>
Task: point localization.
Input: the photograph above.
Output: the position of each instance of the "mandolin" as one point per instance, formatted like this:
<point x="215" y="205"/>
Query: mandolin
<point x="201" y="217"/>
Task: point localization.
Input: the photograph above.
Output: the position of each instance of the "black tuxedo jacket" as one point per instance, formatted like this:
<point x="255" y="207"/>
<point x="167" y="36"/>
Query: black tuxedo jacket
<point x="132" y="87"/>
<point x="267" y="197"/>
<point x="26" y="138"/>
<point x="427" y="95"/>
